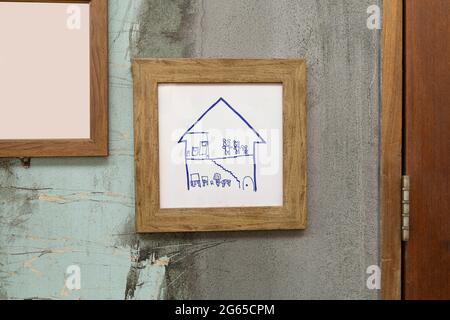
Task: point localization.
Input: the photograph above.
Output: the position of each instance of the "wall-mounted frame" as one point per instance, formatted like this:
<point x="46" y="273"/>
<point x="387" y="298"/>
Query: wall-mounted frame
<point x="54" y="78"/>
<point x="186" y="176"/>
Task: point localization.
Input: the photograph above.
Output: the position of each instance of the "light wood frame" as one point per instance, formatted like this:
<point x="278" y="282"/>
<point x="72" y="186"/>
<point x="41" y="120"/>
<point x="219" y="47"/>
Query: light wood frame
<point x="148" y="73"/>
<point x="391" y="150"/>
<point x="97" y="145"/>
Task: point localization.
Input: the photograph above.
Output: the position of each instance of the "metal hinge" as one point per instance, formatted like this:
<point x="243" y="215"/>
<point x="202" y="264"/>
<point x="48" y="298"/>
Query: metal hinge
<point x="405" y="207"/>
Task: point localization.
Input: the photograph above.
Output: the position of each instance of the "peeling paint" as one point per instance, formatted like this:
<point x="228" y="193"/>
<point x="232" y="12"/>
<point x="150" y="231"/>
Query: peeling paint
<point x="29" y="265"/>
<point x="105" y="197"/>
<point x="48" y="198"/>
<point x="167" y="264"/>
<point x="165" y="28"/>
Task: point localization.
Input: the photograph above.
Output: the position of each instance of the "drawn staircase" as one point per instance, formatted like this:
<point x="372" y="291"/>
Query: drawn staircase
<point x="227" y="171"/>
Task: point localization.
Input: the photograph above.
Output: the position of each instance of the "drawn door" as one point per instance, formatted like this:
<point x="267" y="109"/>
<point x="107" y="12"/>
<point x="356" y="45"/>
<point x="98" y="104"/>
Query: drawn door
<point x="248" y="184"/>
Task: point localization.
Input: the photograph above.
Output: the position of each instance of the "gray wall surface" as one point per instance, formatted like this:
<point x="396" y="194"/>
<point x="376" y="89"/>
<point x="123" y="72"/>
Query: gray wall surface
<point x="62" y="212"/>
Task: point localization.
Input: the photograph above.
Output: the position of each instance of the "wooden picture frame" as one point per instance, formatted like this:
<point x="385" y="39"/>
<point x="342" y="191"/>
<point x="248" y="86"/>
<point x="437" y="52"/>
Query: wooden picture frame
<point x="148" y="74"/>
<point x="97" y="145"/>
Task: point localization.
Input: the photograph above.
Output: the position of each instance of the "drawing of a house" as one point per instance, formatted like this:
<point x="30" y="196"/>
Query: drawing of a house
<point x="221" y="150"/>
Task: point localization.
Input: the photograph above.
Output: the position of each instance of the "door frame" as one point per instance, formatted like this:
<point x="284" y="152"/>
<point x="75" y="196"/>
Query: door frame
<point x="391" y="149"/>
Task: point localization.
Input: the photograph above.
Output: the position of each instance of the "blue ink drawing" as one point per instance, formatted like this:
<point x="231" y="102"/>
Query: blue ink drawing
<point x="220" y="150"/>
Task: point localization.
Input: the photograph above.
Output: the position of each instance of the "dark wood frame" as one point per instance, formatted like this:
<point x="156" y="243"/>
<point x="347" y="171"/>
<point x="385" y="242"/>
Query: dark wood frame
<point x="391" y="150"/>
<point x="97" y="145"/>
<point x="148" y="73"/>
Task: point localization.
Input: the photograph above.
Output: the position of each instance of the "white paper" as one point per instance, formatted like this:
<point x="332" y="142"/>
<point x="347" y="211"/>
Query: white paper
<point x="220" y="145"/>
<point x="44" y="71"/>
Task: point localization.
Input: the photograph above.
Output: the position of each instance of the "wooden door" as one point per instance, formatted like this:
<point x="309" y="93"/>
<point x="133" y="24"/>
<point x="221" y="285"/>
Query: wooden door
<point x="427" y="148"/>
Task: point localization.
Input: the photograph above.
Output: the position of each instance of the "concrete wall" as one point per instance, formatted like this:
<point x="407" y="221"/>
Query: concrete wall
<point x="64" y="212"/>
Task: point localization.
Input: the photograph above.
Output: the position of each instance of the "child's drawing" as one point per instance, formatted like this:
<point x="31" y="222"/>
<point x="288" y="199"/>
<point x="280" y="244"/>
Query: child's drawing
<point x="220" y="158"/>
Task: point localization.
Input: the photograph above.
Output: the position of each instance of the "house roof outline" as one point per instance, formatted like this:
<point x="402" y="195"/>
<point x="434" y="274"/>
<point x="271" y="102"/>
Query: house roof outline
<point x="261" y="140"/>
